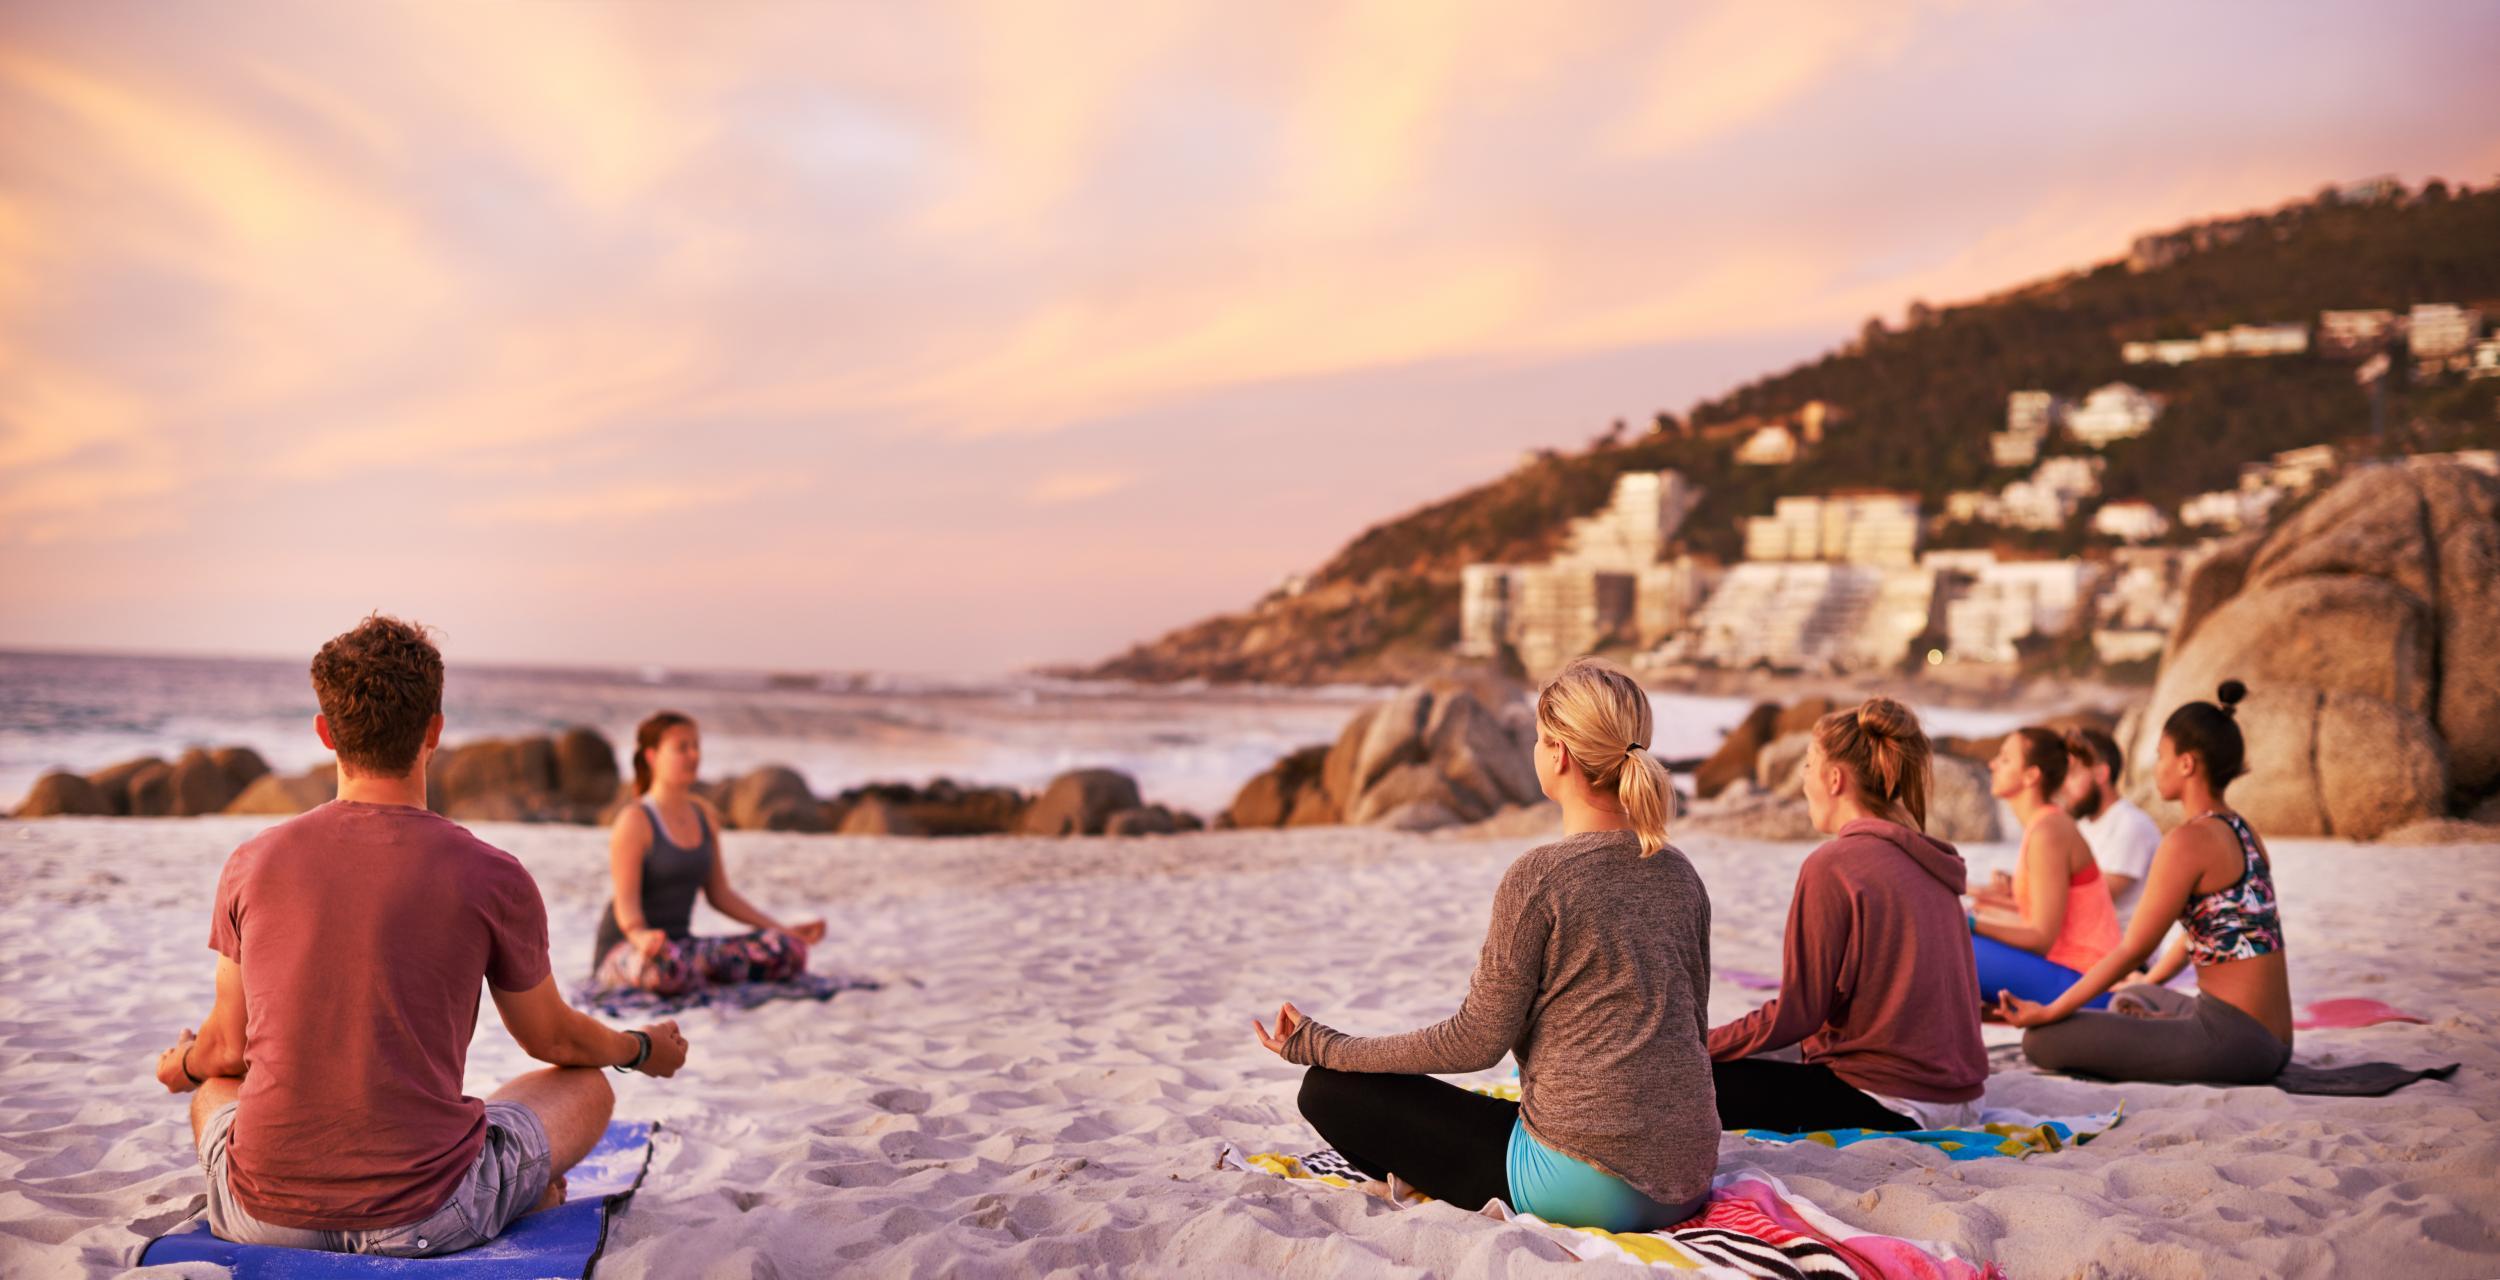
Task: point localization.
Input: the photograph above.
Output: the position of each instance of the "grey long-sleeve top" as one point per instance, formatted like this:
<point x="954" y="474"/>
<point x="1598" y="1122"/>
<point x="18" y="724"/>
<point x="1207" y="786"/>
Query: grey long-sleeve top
<point x="1596" y="973"/>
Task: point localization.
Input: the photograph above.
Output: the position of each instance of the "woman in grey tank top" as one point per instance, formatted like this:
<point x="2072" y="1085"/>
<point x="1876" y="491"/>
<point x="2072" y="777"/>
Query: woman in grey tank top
<point x="646" y="940"/>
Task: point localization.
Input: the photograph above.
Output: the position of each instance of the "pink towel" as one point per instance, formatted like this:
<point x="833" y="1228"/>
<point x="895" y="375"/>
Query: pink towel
<point x="2351" y="1012"/>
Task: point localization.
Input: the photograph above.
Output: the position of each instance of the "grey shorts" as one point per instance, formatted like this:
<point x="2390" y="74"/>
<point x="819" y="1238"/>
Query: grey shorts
<point x="511" y="1173"/>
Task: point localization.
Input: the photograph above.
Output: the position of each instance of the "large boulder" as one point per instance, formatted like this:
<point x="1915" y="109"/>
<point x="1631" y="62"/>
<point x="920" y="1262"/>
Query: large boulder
<point x="1484" y="762"/>
<point x="1752" y="817"/>
<point x="772" y="798"/>
<point x="1081" y="802"/>
<point x="113" y="781"/>
<point x="274" y="795"/>
<point x="585" y="767"/>
<point x="242" y="764"/>
<point x="1434" y="755"/>
<point x="877" y="816"/>
<point x="202" y="785"/>
<point x="1802" y="715"/>
<point x="2362" y="627"/>
<point x="1411" y="784"/>
<point x="1149" y="820"/>
<point x="1779" y="769"/>
<point x="1271" y="799"/>
<point x="58" y="795"/>
<point x="493" y="780"/>
<point x="150" y="790"/>
<point x="1960" y="807"/>
<point x="1733" y="761"/>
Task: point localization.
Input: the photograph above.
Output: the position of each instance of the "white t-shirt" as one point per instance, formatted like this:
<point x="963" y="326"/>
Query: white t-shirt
<point x="2123" y="839"/>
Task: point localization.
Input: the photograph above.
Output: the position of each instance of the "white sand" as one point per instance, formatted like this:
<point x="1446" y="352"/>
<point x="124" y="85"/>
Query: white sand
<point x="1065" y="1045"/>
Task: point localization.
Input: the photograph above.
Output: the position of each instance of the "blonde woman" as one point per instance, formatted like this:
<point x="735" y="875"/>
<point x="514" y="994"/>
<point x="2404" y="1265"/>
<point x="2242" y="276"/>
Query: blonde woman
<point x="646" y="939"/>
<point x="1877" y="981"/>
<point x="1595" y="973"/>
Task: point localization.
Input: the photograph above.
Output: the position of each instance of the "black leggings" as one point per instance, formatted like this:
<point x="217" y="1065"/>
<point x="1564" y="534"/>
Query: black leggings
<point x="1452" y="1144"/>
<point x="1796" y="1097"/>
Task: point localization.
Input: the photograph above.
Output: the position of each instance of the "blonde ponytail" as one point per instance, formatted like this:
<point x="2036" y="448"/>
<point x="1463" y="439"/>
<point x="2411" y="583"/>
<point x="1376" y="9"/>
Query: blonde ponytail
<point x="1602" y="717"/>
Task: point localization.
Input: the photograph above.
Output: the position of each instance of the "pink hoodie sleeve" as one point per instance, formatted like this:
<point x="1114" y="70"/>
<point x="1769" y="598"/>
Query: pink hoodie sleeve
<point x="1820" y="937"/>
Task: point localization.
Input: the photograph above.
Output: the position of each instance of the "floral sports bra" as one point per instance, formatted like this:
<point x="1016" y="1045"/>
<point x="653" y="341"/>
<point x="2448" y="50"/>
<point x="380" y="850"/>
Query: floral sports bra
<point x="2240" y="922"/>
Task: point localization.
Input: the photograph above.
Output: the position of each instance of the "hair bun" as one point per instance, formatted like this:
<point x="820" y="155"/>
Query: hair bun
<point x="1885" y="718"/>
<point x="2229" y="696"/>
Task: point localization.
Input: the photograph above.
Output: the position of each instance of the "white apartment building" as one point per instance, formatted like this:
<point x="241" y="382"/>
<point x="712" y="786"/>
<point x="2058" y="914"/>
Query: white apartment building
<point x="2130" y="521"/>
<point x="1793" y="616"/>
<point x="2229" y="510"/>
<point x="2114" y="412"/>
<point x="1561" y="611"/>
<point x="1768" y="447"/>
<point x="2355" y="333"/>
<point x="1973" y="506"/>
<point x="1855" y="528"/>
<point x="2437" y="330"/>
<point x="2008" y="601"/>
<point x="1665" y="598"/>
<point x="2486" y="361"/>
<point x="2169" y="351"/>
<point x="2293" y="470"/>
<point x="1483" y="609"/>
<point x="2266" y="339"/>
<point x="1634" y="529"/>
<point x="2047" y="500"/>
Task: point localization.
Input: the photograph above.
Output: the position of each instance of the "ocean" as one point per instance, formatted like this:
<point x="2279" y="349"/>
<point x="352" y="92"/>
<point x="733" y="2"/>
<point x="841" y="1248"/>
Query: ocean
<point x="1188" y="745"/>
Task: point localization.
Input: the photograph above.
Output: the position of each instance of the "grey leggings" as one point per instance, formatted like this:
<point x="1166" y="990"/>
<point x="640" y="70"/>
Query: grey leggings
<point x="2158" y="1035"/>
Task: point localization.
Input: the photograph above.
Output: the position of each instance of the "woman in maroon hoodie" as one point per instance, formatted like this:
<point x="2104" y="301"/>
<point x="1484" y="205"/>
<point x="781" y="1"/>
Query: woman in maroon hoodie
<point x="1877" y="979"/>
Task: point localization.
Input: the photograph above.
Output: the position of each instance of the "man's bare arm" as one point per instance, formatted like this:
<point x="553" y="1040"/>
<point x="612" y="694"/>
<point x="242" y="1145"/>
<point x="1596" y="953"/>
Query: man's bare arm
<point x="556" y="1033"/>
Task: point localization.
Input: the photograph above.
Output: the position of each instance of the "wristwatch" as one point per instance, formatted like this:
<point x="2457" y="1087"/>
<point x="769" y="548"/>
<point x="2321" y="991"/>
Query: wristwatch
<point x="641" y="1055"/>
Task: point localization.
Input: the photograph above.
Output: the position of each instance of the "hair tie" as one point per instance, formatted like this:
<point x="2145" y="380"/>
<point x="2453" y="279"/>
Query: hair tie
<point x="1637" y="746"/>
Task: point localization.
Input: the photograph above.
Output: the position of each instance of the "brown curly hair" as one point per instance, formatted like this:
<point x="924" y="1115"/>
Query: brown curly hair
<point x="379" y="686"/>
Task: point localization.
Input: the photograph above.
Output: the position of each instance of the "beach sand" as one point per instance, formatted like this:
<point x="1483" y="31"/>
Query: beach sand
<point x="1063" y="1046"/>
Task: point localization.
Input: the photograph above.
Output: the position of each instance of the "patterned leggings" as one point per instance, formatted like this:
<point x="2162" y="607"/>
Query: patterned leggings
<point x="686" y="963"/>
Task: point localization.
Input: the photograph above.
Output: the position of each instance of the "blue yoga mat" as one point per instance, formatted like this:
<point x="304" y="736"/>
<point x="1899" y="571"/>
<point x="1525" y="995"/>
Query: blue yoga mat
<point x="562" y="1243"/>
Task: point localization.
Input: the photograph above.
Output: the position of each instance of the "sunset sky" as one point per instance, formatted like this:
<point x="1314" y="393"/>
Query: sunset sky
<point x="960" y="338"/>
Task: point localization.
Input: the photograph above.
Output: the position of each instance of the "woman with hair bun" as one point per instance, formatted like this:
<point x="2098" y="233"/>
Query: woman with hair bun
<point x="1876" y="980"/>
<point x="2211" y="874"/>
<point x="646" y="937"/>
<point x="1595" y="972"/>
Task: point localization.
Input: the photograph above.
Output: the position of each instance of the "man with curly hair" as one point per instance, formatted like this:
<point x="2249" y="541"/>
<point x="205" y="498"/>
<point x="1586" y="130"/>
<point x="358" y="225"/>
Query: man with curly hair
<point x="327" y="1107"/>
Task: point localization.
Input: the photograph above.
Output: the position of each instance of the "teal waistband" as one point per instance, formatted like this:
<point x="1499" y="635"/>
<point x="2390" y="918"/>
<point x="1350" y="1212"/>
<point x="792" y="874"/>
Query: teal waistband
<point x="1574" y="1193"/>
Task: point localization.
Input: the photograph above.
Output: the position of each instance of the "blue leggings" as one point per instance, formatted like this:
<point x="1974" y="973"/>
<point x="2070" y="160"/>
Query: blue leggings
<point x="1559" y="1188"/>
<point x="2034" y="978"/>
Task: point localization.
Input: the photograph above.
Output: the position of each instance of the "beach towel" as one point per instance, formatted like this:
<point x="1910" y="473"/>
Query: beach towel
<point x="2360" y="1080"/>
<point x="2350" y="1012"/>
<point x="563" y="1242"/>
<point x="2002" y="1131"/>
<point x="1753" y="1226"/>
<point x="612" y="1002"/>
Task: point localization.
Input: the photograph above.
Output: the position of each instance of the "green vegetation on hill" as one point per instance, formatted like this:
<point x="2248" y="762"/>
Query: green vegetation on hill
<point x="1916" y="407"/>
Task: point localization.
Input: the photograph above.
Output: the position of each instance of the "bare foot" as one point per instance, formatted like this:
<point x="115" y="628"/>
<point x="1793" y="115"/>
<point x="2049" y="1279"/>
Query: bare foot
<point x="554" y="1196"/>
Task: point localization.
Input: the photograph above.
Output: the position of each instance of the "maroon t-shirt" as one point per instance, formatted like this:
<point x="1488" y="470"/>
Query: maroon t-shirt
<point x="363" y="930"/>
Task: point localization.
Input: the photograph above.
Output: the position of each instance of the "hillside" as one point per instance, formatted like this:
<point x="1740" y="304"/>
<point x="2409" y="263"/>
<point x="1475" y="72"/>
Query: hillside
<point x="1917" y="404"/>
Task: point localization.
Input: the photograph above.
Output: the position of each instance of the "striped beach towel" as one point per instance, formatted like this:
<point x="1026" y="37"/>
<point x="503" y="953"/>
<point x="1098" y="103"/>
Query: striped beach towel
<point x="1753" y="1227"/>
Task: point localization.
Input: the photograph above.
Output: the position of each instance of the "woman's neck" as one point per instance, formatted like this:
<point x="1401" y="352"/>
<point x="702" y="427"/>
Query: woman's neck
<point x="2028" y="806"/>
<point x="669" y="793"/>
<point x="2201" y="800"/>
<point x="1582" y="814"/>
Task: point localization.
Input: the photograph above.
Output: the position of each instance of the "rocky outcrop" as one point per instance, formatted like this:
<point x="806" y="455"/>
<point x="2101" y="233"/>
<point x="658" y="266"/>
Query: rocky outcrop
<point x="772" y="798"/>
<point x="1436" y="754"/>
<point x="1080" y="803"/>
<point x="943" y="808"/>
<point x="1959" y="805"/>
<point x="2363" y="629"/>
<point x="64" y="795"/>
<point x="275" y="795"/>
<point x="206" y="782"/>
<point x="877" y="816"/>
<point x="571" y="777"/>
<point x="1733" y="762"/>
<point x="1275" y="798"/>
